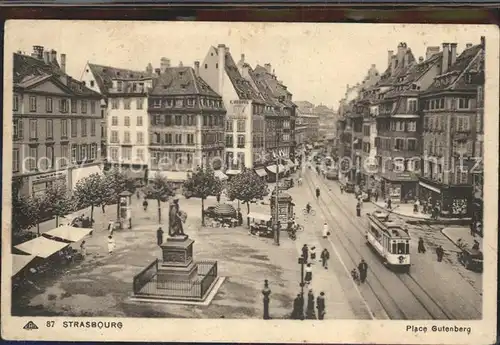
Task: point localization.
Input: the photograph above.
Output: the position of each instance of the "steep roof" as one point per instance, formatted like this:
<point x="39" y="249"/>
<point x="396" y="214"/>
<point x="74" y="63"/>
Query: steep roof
<point x="388" y="78"/>
<point x="176" y="81"/>
<point x="276" y="88"/>
<point x="242" y="86"/>
<point x="453" y="79"/>
<point x="105" y="75"/>
<point x="29" y="71"/>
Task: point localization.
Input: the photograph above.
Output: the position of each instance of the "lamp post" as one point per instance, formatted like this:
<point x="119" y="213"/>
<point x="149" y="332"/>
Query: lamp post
<point x="276" y="210"/>
<point x="302" y="263"/>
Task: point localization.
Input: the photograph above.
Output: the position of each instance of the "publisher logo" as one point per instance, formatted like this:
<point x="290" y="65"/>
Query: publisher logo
<point x="30" y="326"/>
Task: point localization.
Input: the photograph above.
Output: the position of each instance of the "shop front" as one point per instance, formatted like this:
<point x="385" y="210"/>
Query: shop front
<point x="38" y="184"/>
<point x="400" y="187"/>
<point x="455" y="200"/>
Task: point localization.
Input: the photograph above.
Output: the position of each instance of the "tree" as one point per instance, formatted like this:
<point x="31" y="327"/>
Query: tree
<point x="27" y="212"/>
<point x="247" y="187"/>
<point x="58" y="201"/>
<point x="160" y="190"/>
<point x="201" y="184"/>
<point x="116" y="182"/>
<point x="91" y="191"/>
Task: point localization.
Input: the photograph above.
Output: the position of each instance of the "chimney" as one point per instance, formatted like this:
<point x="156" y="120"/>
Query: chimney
<point x="431" y="51"/>
<point x="483" y="41"/>
<point x="164" y="64"/>
<point x="197" y="68"/>
<point x="453" y="53"/>
<point x="393" y="64"/>
<point x="267" y="66"/>
<point x="390" y="53"/>
<point x="63" y="63"/>
<point x="38" y="52"/>
<point x="242" y="58"/>
<point x="420" y="59"/>
<point x="53" y="56"/>
<point x="181" y="64"/>
<point x="158" y="71"/>
<point x="401" y="52"/>
<point x="149" y="68"/>
<point x="46" y="57"/>
<point x="446" y="58"/>
<point x="221" y="70"/>
<point x="468" y="45"/>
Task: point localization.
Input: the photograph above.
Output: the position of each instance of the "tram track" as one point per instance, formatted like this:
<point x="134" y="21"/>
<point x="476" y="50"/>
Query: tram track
<point x="419" y="295"/>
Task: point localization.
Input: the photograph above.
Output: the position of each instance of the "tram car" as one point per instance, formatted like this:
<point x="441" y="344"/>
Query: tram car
<point x="390" y="240"/>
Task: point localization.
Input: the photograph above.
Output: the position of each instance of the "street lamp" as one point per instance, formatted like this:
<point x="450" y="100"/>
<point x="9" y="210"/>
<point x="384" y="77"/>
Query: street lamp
<point x="302" y="283"/>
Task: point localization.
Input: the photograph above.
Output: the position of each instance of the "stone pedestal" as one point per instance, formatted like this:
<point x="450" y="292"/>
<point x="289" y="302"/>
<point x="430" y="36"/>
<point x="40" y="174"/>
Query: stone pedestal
<point x="177" y="265"/>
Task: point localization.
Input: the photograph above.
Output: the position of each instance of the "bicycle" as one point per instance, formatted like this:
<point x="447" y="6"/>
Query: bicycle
<point x="292" y="234"/>
<point x="299" y="227"/>
<point x="311" y="212"/>
<point x="355" y="276"/>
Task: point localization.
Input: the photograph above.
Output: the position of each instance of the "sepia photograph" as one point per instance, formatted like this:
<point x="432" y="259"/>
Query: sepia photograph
<point x="211" y="181"/>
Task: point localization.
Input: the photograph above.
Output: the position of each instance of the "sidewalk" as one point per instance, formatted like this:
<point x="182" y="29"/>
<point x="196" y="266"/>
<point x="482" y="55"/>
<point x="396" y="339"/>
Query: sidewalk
<point x="455" y="233"/>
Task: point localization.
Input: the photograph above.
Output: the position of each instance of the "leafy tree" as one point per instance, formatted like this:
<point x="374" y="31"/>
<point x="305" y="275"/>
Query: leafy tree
<point x="160" y="190"/>
<point x="27" y="212"/>
<point x="247" y="187"/>
<point x="58" y="201"/>
<point x="201" y="184"/>
<point x="91" y="191"/>
<point x="116" y="182"/>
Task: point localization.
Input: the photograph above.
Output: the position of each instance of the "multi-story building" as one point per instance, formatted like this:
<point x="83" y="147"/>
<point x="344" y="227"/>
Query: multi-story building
<point x="450" y="114"/>
<point x="244" y="122"/>
<point x="327" y="121"/>
<point x="56" y="135"/>
<point x="186" y="124"/>
<point x="125" y="112"/>
<point x="307" y="124"/>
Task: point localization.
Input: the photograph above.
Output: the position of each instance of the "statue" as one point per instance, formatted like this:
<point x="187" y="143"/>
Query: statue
<point x="176" y="218"/>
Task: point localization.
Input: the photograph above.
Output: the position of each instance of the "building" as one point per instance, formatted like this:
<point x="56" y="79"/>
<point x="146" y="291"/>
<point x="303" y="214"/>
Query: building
<point x="327" y="122"/>
<point x="56" y="135"/>
<point x="244" y="121"/>
<point x="306" y="124"/>
<point x="452" y="129"/>
<point x="125" y="112"/>
<point x="186" y="123"/>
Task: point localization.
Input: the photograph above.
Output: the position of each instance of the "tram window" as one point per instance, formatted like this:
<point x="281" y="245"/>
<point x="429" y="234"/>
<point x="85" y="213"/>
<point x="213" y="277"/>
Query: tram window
<point x="375" y="232"/>
<point x="394" y="250"/>
<point x="407" y="248"/>
<point x="402" y="248"/>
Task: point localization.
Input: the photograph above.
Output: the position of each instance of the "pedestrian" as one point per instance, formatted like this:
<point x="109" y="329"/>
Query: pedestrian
<point x="341" y="189"/>
<point x="310" y="313"/>
<point x="111" y="228"/>
<point x="363" y="269"/>
<point x="325" y="256"/>
<point x="240" y="218"/>
<point x="317" y="192"/>
<point x="138" y="195"/>
<point x="111" y="244"/>
<point x="298" y="307"/>
<point x="440" y="253"/>
<point x="358" y="209"/>
<point x="389" y="204"/>
<point x="313" y="254"/>
<point x="145" y="205"/>
<point x="159" y="236"/>
<point x="415" y="206"/>
<point x="218" y="198"/>
<point x="475" y="246"/>
<point x="376" y="196"/>
<point x="320" y="305"/>
<point x="266" y="292"/>
<point x="326" y="232"/>
<point x="309" y="274"/>
<point x="103" y="207"/>
<point x="83" y="248"/>
<point x="421" y="247"/>
<point x="305" y="253"/>
<point x="479" y="228"/>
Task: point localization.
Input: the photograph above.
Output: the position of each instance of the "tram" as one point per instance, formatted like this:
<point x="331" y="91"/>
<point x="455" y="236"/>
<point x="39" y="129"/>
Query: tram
<point x="389" y="239"/>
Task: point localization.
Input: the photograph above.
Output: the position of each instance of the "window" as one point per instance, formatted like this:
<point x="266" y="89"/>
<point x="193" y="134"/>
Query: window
<point x="480" y="96"/>
<point x="399" y="144"/>
<point x="178" y="138"/>
<point x="179" y="103"/>
<point x="84" y="106"/>
<point x="229" y="140"/>
<point x="190" y="102"/>
<point x="64" y="156"/>
<point x="17" y="129"/>
<point x="49" y="129"/>
<point x="127" y="153"/>
<point x="92" y="107"/>
<point x="168" y="120"/>
<point x="463" y="103"/>
<point x="462" y="123"/>
<point x="74" y="150"/>
<point x="140" y="138"/>
<point x="139" y="121"/>
<point x="15" y="160"/>
<point x="126" y="103"/>
<point x="241" y="141"/>
<point x="63" y="105"/>
<point x="191" y="120"/>
<point x="114" y="137"/>
<point x="140" y="154"/>
<point x="92" y="127"/>
<point x="64" y="128"/>
<point x="33" y="158"/>
<point x="168" y="138"/>
<point x="412" y="105"/>
<point x="241" y="124"/>
<point x="114" y="120"/>
<point x="126" y="137"/>
<point x="119" y="86"/>
<point x="139" y="103"/>
<point x="48" y="104"/>
<point x="83" y="152"/>
<point x="84" y="127"/>
<point x="73" y="105"/>
<point x="178" y="120"/>
<point x="441" y="103"/>
<point x="50" y="157"/>
<point x="412" y="126"/>
<point x="400" y="126"/>
<point x="15" y="104"/>
<point x="93" y="151"/>
<point x="229" y="125"/>
<point x="32" y="103"/>
<point x="114" y="103"/>
<point x="33" y="129"/>
<point x="156" y="103"/>
<point x="190" y="139"/>
<point x="127" y="121"/>
<point x="113" y="151"/>
<point x="412" y="144"/>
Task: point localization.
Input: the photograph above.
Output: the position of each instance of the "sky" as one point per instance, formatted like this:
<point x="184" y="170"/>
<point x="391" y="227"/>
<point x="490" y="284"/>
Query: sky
<point x="315" y="61"/>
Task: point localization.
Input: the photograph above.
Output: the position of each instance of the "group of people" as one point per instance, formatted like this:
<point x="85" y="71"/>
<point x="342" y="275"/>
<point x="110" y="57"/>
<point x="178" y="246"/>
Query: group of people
<point x="310" y="312"/>
<point x="421" y="249"/>
<point x="309" y="258"/>
<point x="363" y="272"/>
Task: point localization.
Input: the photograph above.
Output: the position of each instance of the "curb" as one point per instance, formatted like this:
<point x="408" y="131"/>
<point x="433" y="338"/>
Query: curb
<point x="449" y="238"/>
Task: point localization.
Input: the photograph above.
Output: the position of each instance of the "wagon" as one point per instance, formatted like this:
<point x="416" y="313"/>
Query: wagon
<point x="472" y="259"/>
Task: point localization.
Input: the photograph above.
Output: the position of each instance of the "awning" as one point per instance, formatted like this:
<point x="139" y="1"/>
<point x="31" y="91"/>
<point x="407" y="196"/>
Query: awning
<point x="259" y="216"/>
<point x="220" y="175"/>
<point x="69" y="233"/>
<point x="232" y="172"/>
<point x="272" y="168"/>
<point x="428" y="186"/>
<point x="261" y="172"/>
<point x="19" y="262"/>
<point x="41" y="246"/>
<point x="173" y="176"/>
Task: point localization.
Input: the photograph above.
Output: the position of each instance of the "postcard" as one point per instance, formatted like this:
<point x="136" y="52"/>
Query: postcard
<point x="250" y="182"/>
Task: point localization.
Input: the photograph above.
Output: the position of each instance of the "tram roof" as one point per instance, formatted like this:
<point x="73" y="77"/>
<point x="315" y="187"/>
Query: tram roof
<point x="391" y="228"/>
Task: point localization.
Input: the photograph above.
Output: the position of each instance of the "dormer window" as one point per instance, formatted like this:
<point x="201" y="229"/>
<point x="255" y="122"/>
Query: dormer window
<point x="190" y="102"/>
<point x="178" y="103"/>
<point x="156" y="103"/>
<point x="169" y="103"/>
<point x="119" y="86"/>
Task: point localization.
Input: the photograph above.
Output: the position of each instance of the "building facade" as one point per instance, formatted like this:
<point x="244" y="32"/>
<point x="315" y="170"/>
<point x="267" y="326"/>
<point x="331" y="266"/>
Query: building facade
<point x="186" y="124"/>
<point x="450" y="135"/>
<point x="56" y="132"/>
<point x="306" y="124"/>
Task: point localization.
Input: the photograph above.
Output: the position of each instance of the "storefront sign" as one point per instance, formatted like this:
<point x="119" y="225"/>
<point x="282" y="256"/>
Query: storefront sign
<point x="245" y="102"/>
<point x="49" y="177"/>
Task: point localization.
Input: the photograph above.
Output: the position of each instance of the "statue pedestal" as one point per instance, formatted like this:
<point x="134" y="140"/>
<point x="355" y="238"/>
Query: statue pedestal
<point x="177" y="265"/>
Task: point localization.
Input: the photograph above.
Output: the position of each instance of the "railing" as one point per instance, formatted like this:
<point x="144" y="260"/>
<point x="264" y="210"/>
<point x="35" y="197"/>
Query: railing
<point x="209" y="272"/>
<point x="145" y="276"/>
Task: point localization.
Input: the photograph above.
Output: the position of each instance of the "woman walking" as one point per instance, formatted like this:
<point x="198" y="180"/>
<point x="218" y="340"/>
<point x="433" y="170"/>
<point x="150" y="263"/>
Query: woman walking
<point x="313" y="254"/>
<point x="325" y="230"/>
<point x="309" y="274"/>
<point x="310" y="312"/>
<point x="111" y="244"/>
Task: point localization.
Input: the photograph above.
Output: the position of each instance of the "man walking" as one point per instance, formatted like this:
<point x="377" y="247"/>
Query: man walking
<point x="320" y="305"/>
<point x="363" y="269"/>
<point x="421" y="247"/>
<point x="325" y="255"/>
<point x="440" y="253"/>
<point x="298" y="307"/>
<point x="305" y="253"/>
<point x="159" y="236"/>
<point x="310" y="313"/>
<point x="317" y="192"/>
<point x="266" y="292"/>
